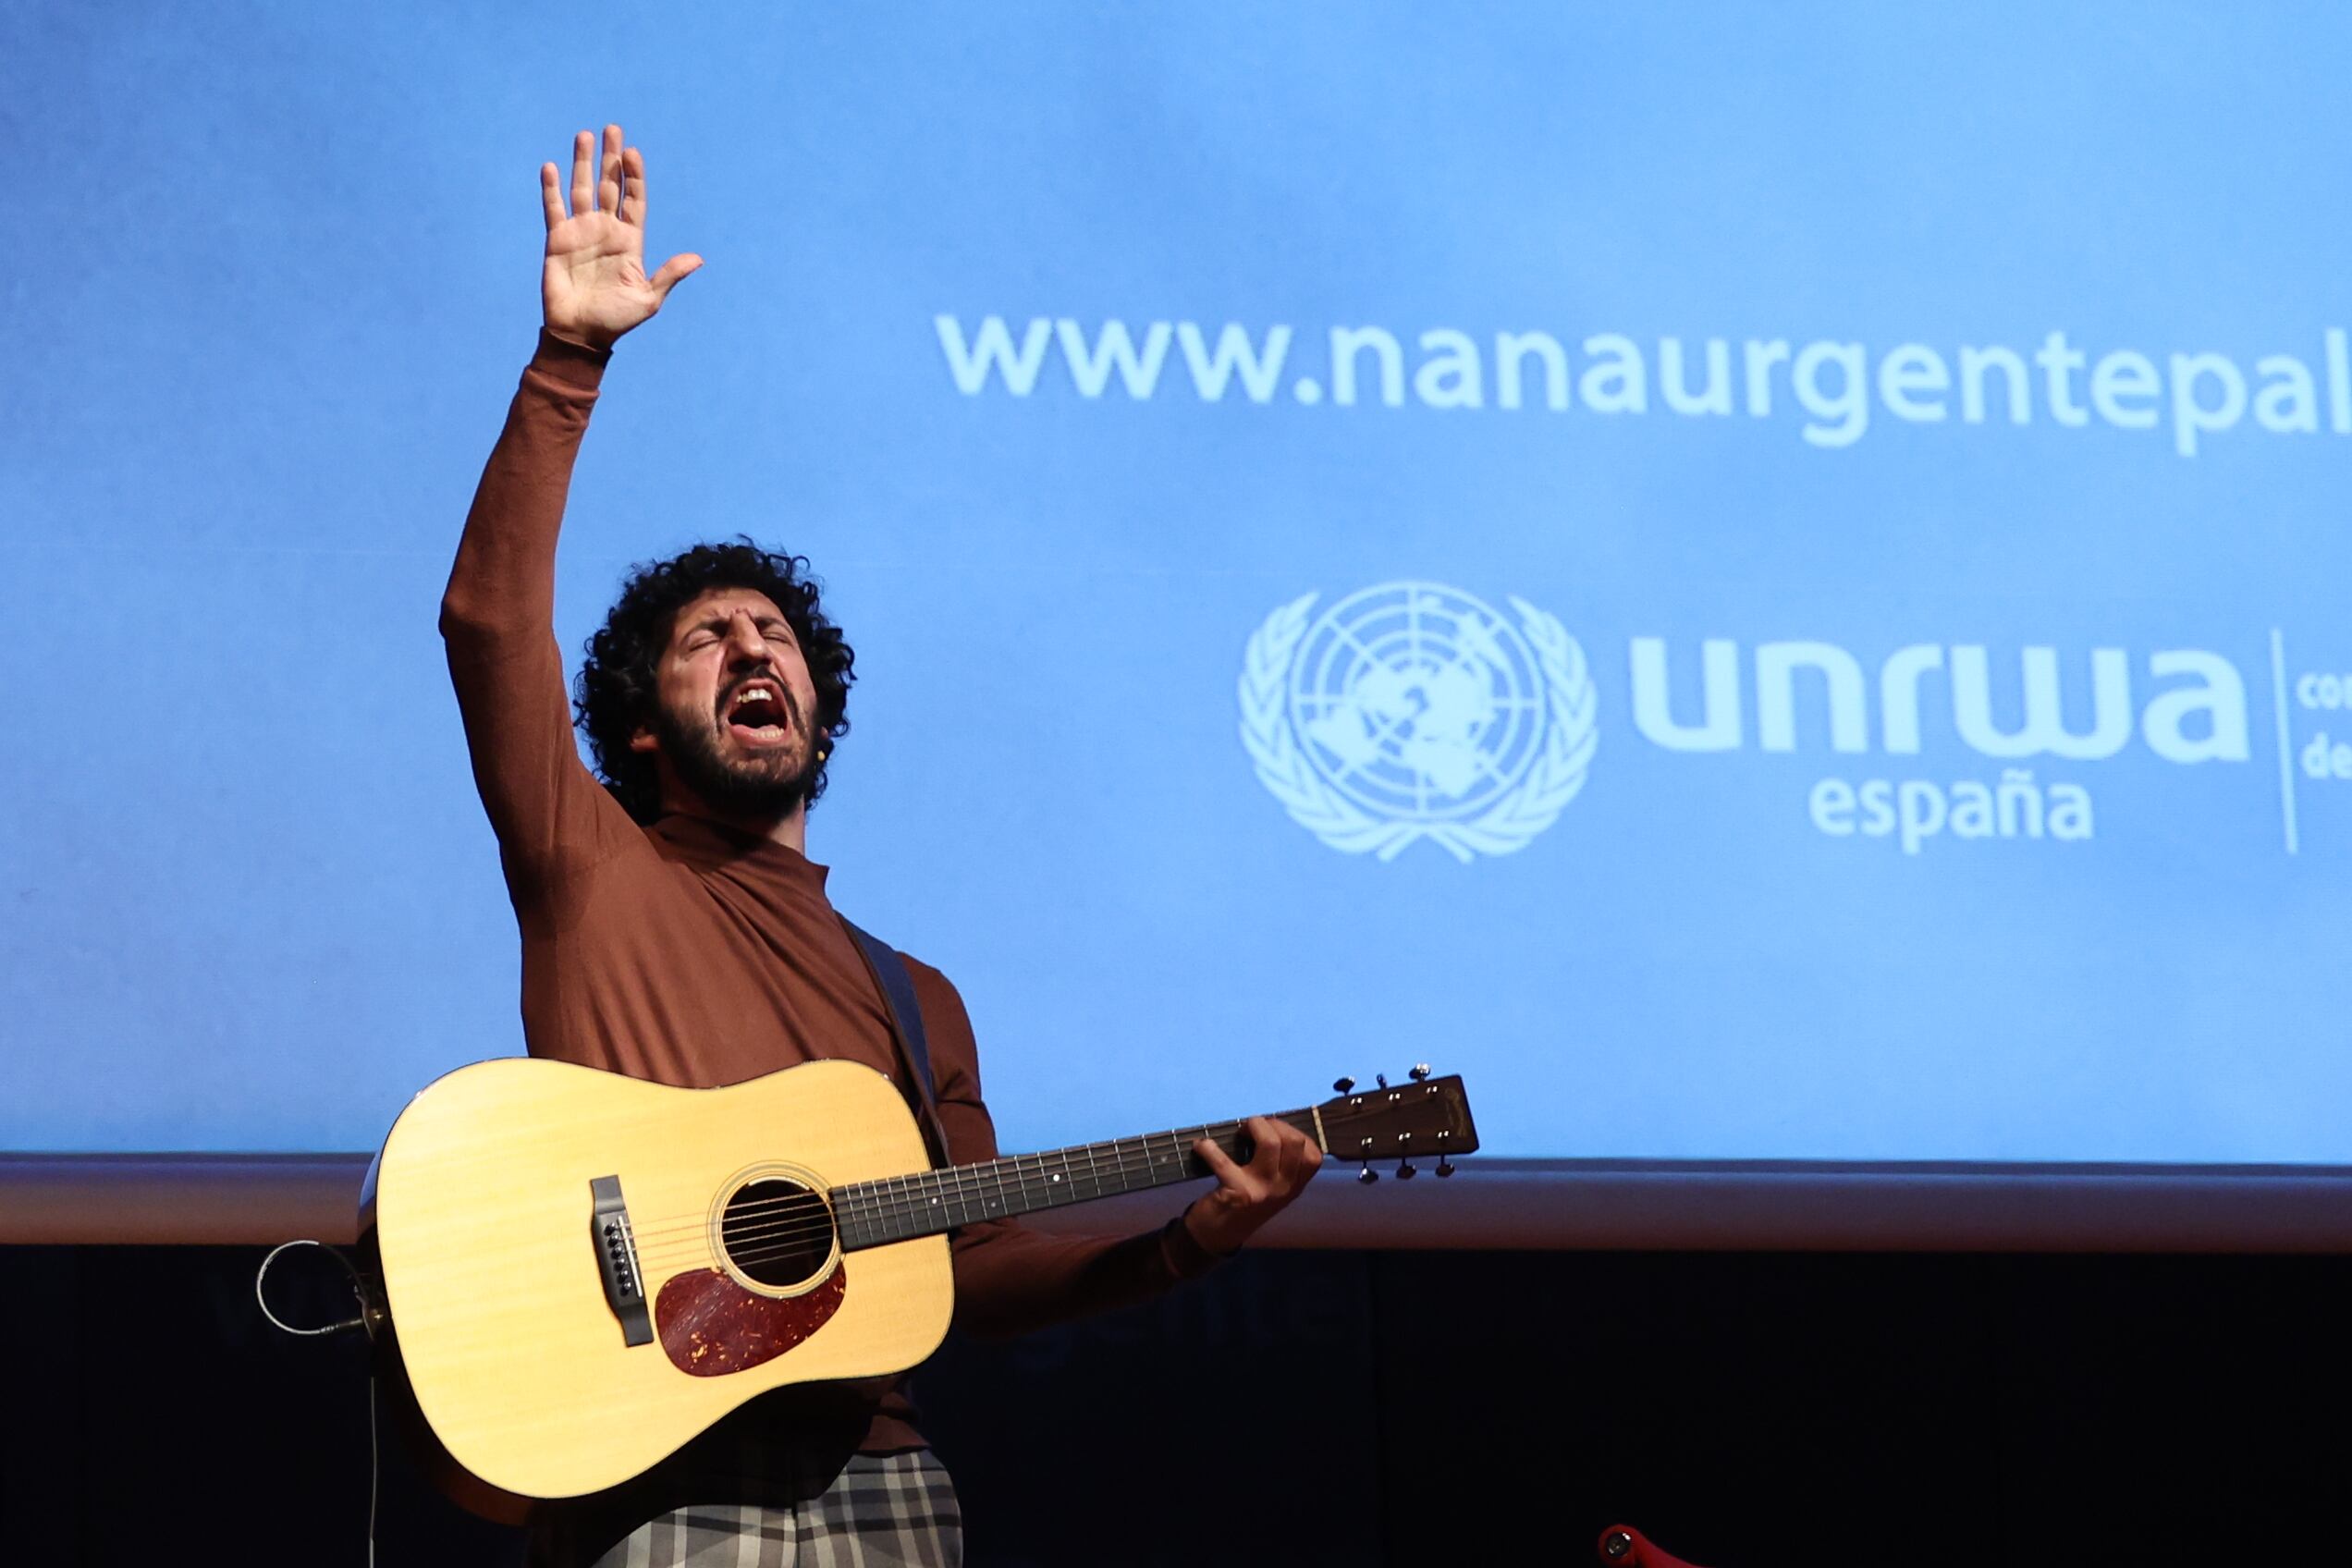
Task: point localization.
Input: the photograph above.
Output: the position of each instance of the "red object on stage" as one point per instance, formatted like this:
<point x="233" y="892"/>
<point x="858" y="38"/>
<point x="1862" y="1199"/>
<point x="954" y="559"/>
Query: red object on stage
<point x="1622" y="1546"/>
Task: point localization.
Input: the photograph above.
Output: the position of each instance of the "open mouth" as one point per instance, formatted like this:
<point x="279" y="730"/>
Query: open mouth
<point x="756" y="715"/>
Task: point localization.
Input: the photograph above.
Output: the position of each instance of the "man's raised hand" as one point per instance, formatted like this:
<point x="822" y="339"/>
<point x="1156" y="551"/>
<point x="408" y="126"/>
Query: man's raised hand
<point x="594" y="287"/>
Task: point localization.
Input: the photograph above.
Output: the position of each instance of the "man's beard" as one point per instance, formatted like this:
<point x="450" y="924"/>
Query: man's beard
<point x="766" y="784"/>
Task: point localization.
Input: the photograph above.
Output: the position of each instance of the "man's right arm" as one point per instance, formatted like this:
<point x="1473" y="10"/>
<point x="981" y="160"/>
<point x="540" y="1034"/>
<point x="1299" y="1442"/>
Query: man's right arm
<point x="497" y="614"/>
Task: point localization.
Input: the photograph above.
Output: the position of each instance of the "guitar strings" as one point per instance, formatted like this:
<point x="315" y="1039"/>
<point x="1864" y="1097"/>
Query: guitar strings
<point x="1119" y="1153"/>
<point x="872" y="1205"/>
<point x="954" y="1182"/>
<point x="963" y="1176"/>
<point x="785" y="1235"/>
<point x="872" y="1202"/>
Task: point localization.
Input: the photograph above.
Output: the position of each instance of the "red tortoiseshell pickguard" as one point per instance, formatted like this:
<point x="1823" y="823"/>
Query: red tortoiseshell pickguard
<point x="711" y="1326"/>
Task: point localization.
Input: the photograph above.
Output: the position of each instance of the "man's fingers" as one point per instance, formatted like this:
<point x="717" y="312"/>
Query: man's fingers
<point x="633" y="190"/>
<point x="1291" y="1160"/>
<point x="678" y="266"/>
<point x="1299" y="1158"/>
<point x="1295" y="1149"/>
<point x="609" y="173"/>
<point x="551" y="193"/>
<point x="1218" y="1160"/>
<point x="584" y="172"/>
<point x="1270" y="1160"/>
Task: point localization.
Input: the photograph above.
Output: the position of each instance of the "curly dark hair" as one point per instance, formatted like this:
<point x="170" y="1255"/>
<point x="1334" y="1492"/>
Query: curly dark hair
<point x="618" y="686"/>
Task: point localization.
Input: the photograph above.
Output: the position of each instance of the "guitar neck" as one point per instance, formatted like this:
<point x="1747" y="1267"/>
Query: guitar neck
<point x="899" y="1209"/>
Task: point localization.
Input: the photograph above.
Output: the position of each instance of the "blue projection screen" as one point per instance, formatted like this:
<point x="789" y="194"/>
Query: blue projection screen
<point x="1767" y="585"/>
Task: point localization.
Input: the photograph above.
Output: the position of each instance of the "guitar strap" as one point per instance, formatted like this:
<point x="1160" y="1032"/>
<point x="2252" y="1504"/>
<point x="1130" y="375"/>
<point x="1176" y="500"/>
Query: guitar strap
<point x="890" y="974"/>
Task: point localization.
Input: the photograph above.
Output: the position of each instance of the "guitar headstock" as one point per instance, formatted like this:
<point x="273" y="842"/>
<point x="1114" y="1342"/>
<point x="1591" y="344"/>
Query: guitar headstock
<point x="1421" y="1118"/>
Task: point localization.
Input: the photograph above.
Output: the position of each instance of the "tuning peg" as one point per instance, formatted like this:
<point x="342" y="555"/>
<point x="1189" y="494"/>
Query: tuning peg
<point x="1445" y="1165"/>
<point x="1342" y="1085"/>
<point x="1368" y="1175"/>
<point x="1420" y="1073"/>
<point x="1381" y="1079"/>
<point x="1404" y="1170"/>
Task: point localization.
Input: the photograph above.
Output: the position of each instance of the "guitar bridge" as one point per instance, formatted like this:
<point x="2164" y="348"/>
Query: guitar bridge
<point x="615" y="1247"/>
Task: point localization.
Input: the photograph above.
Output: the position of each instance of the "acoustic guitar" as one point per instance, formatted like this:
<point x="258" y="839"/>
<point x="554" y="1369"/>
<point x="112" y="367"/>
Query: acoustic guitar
<point x="582" y="1271"/>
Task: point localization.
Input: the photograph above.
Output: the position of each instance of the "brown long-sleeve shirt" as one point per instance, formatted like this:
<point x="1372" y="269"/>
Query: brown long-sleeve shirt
<point x="687" y="952"/>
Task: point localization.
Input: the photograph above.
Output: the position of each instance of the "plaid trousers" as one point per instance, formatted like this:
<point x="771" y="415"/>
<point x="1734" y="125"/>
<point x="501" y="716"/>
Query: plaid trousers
<point x="882" y="1511"/>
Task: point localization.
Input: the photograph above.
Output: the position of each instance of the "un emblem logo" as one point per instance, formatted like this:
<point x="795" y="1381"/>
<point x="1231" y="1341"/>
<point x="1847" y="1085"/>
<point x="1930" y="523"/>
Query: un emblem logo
<point x="1413" y="710"/>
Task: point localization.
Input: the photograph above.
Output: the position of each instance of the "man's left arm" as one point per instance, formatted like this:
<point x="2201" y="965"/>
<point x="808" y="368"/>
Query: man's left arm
<point x="1012" y="1280"/>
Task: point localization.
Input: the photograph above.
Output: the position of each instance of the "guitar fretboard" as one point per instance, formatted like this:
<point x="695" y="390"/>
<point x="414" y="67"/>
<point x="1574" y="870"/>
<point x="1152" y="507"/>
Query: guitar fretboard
<point x="899" y="1209"/>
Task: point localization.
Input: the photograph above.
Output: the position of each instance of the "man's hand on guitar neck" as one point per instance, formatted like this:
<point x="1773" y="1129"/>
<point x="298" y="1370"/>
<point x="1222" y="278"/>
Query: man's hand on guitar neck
<point x="594" y="287"/>
<point x="1284" y="1160"/>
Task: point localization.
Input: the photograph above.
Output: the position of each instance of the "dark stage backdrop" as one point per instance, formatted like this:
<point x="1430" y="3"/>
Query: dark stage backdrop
<point x="1748" y="1410"/>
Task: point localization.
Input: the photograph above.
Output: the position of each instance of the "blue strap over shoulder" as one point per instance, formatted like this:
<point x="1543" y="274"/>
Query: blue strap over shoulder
<point x="897" y="984"/>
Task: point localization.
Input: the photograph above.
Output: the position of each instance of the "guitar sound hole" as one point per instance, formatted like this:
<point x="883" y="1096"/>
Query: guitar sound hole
<point x="777" y="1233"/>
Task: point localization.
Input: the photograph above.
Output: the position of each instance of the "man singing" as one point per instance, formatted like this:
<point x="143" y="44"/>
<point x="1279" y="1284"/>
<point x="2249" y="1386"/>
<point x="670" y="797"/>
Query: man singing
<point x="674" y="928"/>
